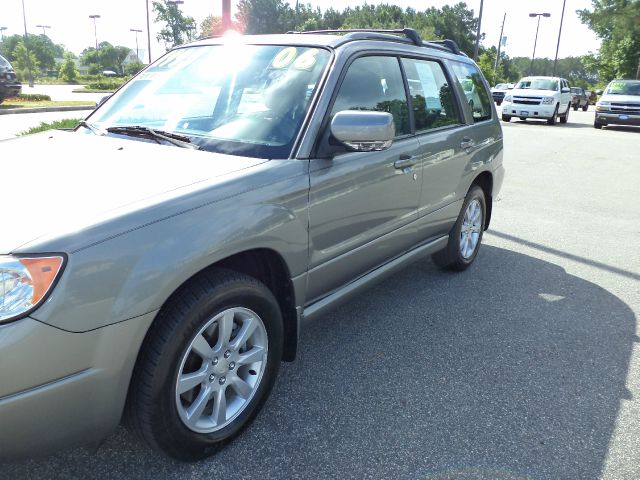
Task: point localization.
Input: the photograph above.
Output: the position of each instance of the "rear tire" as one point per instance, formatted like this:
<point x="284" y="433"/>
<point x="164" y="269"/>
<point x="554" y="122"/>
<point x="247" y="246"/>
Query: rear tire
<point x="585" y="108"/>
<point x="575" y="107"/>
<point x="506" y="118"/>
<point x="466" y="235"/>
<point x="217" y="343"/>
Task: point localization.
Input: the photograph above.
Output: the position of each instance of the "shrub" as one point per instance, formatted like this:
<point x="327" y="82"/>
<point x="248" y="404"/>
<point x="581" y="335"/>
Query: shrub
<point x="68" y="71"/>
<point x="34" y="97"/>
<point x="58" y="124"/>
<point x="106" y="84"/>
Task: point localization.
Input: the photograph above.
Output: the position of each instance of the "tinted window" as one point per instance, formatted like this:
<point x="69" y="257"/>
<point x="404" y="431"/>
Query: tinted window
<point x="375" y="83"/>
<point x="431" y="96"/>
<point x="538" y="84"/>
<point x="476" y="95"/>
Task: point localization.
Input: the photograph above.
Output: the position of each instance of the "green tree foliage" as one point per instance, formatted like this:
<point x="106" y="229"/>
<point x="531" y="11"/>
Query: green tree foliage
<point x="68" y="71"/>
<point x="178" y="28"/>
<point x="133" y="68"/>
<point x="212" y="25"/>
<point x="457" y="23"/>
<point x="617" y="22"/>
<point x="23" y="61"/>
<point x="41" y="46"/>
<point x="265" y="16"/>
<point x="106" y="57"/>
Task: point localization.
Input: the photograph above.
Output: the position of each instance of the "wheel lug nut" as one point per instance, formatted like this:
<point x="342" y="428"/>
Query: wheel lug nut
<point x="227" y="354"/>
<point x="232" y="365"/>
<point x="222" y="380"/>
<point x="212" y="377"/>
<point x="214" y="361"/>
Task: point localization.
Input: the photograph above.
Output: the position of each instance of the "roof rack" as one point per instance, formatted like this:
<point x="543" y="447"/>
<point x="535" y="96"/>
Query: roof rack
<point x="412" y="35"/>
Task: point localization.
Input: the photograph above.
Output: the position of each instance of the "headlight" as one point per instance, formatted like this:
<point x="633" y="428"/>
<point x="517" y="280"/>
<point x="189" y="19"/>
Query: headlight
<point x="603" y="105"/>
<point x="547" y="100"/>
<point x="507" y="98"/>
<point x="25" y="283"/>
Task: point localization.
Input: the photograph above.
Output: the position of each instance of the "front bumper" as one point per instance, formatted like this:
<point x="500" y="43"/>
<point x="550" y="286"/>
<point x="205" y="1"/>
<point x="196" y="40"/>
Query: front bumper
<point x="10" y="90"/>
<point x="59" y="389"/>
<point x="608" y="118"/>
<point x="528" y="111"/>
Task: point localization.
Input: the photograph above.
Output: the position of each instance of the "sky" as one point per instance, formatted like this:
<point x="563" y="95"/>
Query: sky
<point x="72" y="27"/>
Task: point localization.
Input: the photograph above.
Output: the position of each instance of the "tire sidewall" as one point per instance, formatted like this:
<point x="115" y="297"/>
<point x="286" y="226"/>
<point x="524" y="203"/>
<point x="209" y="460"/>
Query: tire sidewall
<point x="475" y="193"/>
<point x="169" y="428"/>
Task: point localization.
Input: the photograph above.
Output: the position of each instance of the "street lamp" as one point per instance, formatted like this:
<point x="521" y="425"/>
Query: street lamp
<point x="26" y="45"/>
<point x="43" y="27"/>
<point x="137" y="32"/>
<point x="95" y="28"/>
<point x="536" y="40"/>
<point x="564" y="3"/>
<point x="2" y="29"/>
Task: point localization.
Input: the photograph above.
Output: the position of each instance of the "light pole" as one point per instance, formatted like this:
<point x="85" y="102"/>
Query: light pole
<point x="226" y="15"/>
<point x="43" y="27"/>
<point x="137" y="32"/>
<point x="536" y="40"/>
<point x="2" y="29"/>
<point x="475" y="49"/>
<point x="95" y="28"/>
<point x="564" y="3"/>
<point x="495" y="66"/>
<point x="26" y="45"/>
<point x="148" y="31"/>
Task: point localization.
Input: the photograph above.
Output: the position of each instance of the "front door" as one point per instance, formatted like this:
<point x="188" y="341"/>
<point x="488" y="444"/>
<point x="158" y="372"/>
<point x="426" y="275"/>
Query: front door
<point x="363" y="205"/>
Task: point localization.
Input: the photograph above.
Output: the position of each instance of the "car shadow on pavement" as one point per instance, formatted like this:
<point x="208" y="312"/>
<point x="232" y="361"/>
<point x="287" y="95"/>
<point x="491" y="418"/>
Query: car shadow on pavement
<point x="622" y="128"/>
<point x="569" y="124"/>
<point x="514" y="369"/>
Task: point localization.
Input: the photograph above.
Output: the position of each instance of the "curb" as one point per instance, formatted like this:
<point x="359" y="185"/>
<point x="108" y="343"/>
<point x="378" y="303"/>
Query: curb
<point x="70" y="108"/>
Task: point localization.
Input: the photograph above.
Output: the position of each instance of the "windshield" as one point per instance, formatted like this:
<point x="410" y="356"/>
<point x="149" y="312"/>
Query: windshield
<point x="4" y="62"/>
<point x="242" y="100"/>
<point x="538" y="84"/>
<point x="618" y="87"/>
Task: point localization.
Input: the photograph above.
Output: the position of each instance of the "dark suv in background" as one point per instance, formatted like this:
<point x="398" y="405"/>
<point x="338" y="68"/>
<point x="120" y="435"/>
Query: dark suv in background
<point x="579" y="99"/>
<point x="9" y="84"/>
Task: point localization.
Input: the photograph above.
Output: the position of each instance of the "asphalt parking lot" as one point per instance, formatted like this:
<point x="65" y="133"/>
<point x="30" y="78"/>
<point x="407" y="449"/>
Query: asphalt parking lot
<point x="526" y="366"/>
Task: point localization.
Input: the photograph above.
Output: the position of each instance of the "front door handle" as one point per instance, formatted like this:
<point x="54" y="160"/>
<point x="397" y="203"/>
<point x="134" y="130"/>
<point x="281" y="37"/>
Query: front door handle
<point x="404" y="161"/>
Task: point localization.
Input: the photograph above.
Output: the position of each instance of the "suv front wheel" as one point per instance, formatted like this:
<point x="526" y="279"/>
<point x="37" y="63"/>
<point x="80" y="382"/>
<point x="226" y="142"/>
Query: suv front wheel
<point x="466" y="235"/>
<point x="207" y="365"/>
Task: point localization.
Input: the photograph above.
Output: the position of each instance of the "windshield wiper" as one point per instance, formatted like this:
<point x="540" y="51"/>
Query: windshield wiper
<point x="157" y="135"/>
<point x="92" y="127"/>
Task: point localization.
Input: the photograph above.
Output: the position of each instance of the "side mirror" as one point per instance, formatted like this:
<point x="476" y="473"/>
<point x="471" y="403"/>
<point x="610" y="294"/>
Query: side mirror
<point x="363" y="131"/>
<point x="566" y="90"/>
<point x="102" y="100"/>
<point x="599" y="92"/>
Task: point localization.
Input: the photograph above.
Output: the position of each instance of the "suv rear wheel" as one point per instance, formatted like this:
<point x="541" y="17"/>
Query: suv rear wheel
<point x="207" y="365"/>
<point x="466" y="235"/>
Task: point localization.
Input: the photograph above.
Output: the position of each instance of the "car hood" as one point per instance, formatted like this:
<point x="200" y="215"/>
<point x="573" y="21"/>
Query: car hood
<point x="59" y="182"/>
<point x="529" y="92"/>
<point x="620" y="98"/>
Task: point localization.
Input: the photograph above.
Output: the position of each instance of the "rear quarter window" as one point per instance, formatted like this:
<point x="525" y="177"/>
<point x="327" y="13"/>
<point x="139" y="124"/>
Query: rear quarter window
<point x="476" y="95"/>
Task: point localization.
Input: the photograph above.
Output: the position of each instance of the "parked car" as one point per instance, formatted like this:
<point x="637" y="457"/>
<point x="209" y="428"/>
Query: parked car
<point x="235" y="188"/>
<point x="619" y="104"/>
<point x="499" y="91"/>
<point x="579" y="99"/>
<point x="9" y="84"/>
<point x="591" y="95"/>
<point x="546" y="98"/>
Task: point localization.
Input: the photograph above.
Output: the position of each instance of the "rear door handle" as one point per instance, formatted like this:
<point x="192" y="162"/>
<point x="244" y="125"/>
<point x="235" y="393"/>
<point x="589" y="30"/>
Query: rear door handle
<point x="405" y="160"/>
<point x="467" y="143"/>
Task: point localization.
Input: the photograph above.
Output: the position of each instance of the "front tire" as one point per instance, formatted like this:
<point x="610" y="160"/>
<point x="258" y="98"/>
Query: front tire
<point x="506" y="118"/>
<point x="597" y="125"/>
<point x="565" y="118"/>
<point x="466" y="235"/>
<point x="585" y="108"/>
<point x="554" y="119"/>
<point x="206" y="366"/>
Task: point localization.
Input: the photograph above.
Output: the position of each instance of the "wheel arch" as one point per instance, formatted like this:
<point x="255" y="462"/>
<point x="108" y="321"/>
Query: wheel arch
<point x="485" y="181"/>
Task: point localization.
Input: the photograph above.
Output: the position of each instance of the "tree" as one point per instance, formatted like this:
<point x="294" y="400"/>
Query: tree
<point x="617" y="22"/>
<point x="41" y="46"/>
<point x="22" y="60"/>
<point x="212" y="25"/>
<point x="178" y="27"/>
<point x="106" y="57"/>
<point x="133" y="68"/>
<point x="68" y="71"/>
<point x="265" y="16"/>
<point x="457" y="23"/>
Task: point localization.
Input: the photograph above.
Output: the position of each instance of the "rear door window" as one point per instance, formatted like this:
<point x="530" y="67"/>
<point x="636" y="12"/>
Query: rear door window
<point x="432" y="100"/>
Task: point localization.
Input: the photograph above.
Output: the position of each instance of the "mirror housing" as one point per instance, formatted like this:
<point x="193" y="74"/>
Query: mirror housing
<point x="102" y="100"/>
<point x="363" y="130"/>
<point x="599" y="92"/>
<point x="566" y="90"/>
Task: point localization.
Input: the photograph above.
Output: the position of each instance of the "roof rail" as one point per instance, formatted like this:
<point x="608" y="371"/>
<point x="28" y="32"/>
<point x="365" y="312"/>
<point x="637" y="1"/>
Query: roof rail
<point x="412" y="35"/>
